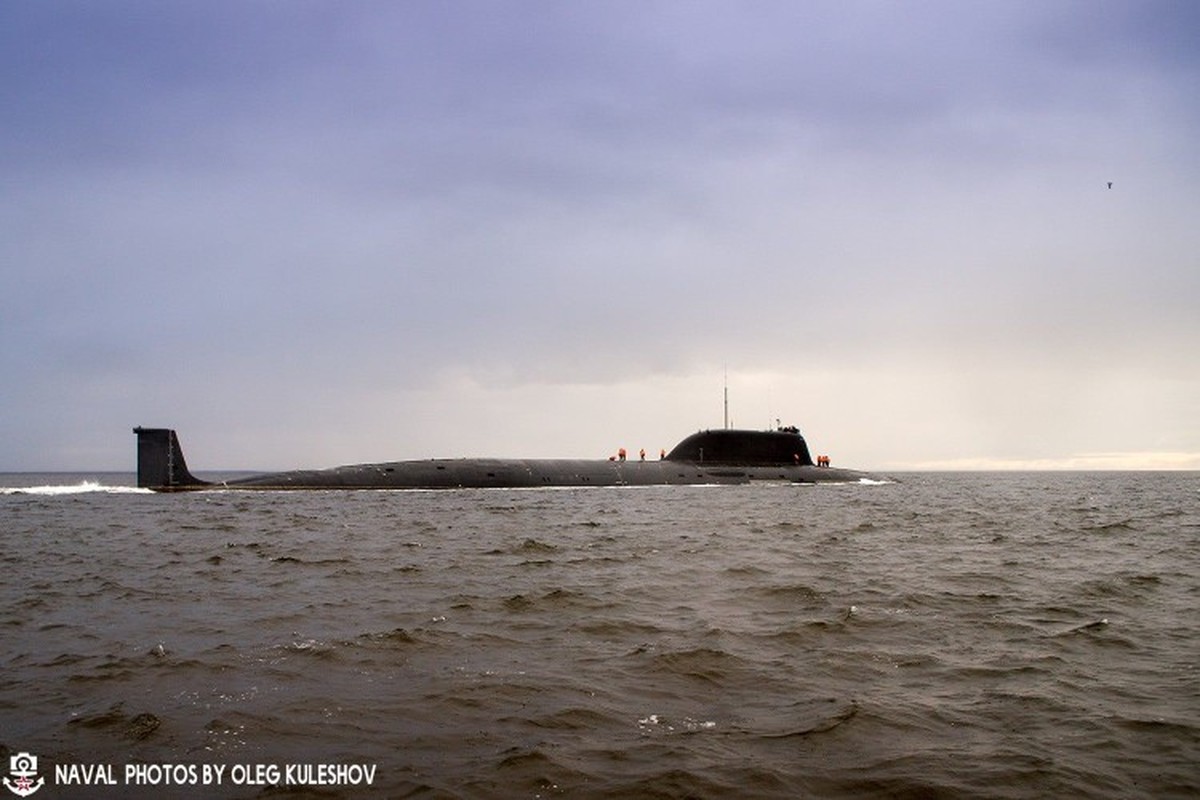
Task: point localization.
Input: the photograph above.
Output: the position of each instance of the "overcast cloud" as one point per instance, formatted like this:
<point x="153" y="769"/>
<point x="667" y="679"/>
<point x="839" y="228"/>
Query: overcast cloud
<point x="306" y="234"/>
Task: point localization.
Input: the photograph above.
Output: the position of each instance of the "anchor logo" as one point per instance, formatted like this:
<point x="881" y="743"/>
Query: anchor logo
<point x="23" y="767"/>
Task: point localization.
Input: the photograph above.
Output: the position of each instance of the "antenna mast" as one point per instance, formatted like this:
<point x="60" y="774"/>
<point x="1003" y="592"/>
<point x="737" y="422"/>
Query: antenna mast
<point x="726" y="398"/>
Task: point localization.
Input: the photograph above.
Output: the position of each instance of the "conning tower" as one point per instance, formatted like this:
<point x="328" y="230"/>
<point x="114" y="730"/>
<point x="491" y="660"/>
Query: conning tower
<point x="744" y="448"/>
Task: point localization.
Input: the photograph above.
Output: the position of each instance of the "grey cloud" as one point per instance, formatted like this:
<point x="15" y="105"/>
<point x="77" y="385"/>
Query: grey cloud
<point x="218" y="207"/>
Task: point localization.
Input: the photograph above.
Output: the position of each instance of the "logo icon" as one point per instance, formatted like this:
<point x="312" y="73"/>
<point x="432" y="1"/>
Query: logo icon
<point x="23" y="767"/>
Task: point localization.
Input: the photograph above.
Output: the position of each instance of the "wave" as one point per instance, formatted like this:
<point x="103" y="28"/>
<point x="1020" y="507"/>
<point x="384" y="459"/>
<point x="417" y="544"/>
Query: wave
<point x="84" y="487"/>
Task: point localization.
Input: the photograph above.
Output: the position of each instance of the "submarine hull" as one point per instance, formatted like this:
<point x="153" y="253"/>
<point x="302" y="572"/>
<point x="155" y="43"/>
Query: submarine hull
<point x="515" y="473"/>
<point x="762" y="458"/>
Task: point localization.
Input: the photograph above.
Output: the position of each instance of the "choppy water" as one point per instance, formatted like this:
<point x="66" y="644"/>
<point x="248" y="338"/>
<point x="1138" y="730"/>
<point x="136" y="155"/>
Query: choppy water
<point x="955" y="635"/>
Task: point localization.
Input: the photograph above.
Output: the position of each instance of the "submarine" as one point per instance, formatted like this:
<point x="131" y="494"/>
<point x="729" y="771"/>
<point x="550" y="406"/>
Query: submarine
<point x="720" y="456"/>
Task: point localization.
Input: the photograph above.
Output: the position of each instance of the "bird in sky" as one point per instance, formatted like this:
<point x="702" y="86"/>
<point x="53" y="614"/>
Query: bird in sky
<point x="1110" y="184"/>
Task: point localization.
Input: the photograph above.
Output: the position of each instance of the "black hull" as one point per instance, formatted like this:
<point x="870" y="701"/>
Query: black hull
<point x="521" y="474"/>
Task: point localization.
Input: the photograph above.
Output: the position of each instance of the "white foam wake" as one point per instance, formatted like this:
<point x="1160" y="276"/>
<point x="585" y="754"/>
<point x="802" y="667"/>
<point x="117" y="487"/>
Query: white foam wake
<point x="84" y="487"/>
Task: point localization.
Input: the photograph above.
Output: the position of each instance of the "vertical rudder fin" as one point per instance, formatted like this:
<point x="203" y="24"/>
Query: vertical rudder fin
<point x="160" y="463"/>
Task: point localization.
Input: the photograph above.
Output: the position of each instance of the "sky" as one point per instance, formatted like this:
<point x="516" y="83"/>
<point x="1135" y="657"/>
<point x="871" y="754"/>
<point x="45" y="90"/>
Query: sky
<point x="308" y="233"/>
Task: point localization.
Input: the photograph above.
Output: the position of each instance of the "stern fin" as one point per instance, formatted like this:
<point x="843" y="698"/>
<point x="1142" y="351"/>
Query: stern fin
<point x="161" y="466"/>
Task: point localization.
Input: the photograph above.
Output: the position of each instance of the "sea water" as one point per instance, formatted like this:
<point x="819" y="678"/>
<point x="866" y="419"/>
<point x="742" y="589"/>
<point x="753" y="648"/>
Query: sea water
<point x="984" y="635"/>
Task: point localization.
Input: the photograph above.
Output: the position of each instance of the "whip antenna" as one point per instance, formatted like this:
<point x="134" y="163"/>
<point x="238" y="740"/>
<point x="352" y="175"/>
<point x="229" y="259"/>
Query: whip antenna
<point x="726" y="398"/>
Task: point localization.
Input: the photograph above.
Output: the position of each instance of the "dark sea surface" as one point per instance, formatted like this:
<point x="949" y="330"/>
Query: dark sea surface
<point x="981" y="635"/>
